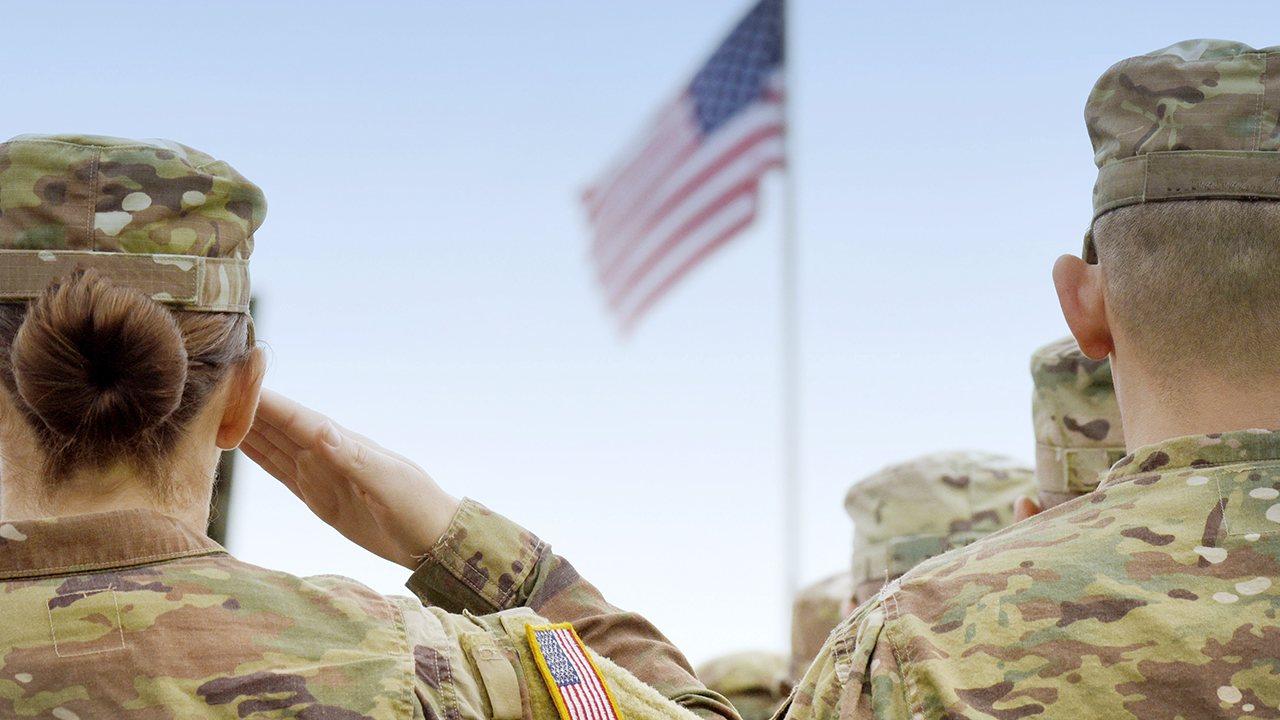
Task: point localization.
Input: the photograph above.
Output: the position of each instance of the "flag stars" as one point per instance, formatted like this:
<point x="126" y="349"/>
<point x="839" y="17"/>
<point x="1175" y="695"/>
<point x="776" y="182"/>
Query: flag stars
<point x="737" y="72"/>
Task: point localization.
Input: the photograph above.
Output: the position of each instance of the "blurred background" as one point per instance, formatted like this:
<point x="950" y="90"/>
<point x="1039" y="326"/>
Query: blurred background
<point x="423" y="274"/>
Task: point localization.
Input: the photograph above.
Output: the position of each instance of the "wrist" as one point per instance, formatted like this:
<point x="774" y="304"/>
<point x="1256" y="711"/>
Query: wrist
<point x="439" y="519"/>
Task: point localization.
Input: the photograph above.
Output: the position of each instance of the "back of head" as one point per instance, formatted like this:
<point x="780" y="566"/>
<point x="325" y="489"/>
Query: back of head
<point x="1077" y="421"/>
<point x="123" y="292"/>
<point x="1185" y="206"/>
<point x="910" y="512"/>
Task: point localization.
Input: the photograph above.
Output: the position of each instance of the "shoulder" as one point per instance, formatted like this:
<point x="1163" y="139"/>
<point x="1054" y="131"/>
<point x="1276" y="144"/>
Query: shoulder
<point x="1017" y="619"/>
<point x="856" y="675"/>
<point x="252" y="591"/>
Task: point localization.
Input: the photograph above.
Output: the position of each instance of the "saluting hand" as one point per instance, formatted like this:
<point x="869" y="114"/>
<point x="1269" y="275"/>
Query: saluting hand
<point x="378" y="499"/>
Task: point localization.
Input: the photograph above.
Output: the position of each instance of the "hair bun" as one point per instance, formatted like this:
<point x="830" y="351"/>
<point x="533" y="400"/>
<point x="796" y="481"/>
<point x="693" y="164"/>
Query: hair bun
<point x="98" y="362"/>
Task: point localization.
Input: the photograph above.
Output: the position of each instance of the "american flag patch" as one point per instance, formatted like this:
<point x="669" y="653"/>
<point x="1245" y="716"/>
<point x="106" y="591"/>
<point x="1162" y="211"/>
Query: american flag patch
<point x="575" y="684"/>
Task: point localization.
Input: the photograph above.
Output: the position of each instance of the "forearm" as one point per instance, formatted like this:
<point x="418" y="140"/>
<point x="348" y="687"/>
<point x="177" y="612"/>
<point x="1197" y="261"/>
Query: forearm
<point x="486" y="563"/>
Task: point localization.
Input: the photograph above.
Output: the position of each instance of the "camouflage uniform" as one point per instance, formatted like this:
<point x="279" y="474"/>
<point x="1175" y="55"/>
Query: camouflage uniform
<point x="755" y="682"/>
<point x="132" y="614"/>
<point x="967" y="496"/>
<point x="1077" y="421"/>
<point x="1154" y="596"/>
<point x="909" y="512"/>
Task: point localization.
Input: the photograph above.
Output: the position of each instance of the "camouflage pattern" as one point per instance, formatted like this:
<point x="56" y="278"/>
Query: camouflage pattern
<point x="755" y="682"/>
<point x="485" y="564"/>
<point x="1199" y="119"/>
<point x="133" y="614"/>
<point x="152" y="214"/>
<point x="815" y="612"/>
<point x="1077" y="421"/>
<point x="915" y="510"/>
<point x="1153" y="597"/>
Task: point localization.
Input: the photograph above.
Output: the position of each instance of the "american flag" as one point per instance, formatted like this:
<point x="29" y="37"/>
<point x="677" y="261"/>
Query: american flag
<point x="566" y="665"/>
<point x="692" y="181"/>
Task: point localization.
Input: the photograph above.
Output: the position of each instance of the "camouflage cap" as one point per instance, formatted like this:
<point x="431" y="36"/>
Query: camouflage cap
<point x="755" y="682"/>
<point x="1077" y="421"/>
<point x="154" y="215"/>
<point x="910" y="512"/>
<point x="1196" y="120"/>
<point x="815" y="612"/>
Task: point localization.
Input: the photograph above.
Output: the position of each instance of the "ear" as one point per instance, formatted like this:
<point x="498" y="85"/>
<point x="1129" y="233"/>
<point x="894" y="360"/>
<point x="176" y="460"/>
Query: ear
<point x="1083" y="300"/>
<point x="242" y="400"/>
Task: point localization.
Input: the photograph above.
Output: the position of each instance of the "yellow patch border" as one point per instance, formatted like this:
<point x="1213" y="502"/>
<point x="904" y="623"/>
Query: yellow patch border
<point x="557" y="696"/>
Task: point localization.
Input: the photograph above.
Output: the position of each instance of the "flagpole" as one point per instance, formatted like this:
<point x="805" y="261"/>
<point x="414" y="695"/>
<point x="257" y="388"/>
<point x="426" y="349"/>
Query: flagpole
<point x="790" y="341"/>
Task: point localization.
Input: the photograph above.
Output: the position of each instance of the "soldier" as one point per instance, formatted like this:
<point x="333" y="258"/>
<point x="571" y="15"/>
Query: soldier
<point x="127" y="360"/>
<point x="755" y="682"/>
<point x="1154" y="596"/>
<point x="1077" y="424"/>
<point x="902" y="515"/>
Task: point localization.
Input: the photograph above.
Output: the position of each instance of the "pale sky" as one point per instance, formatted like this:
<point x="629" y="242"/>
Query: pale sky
<point x="422" y="275"/>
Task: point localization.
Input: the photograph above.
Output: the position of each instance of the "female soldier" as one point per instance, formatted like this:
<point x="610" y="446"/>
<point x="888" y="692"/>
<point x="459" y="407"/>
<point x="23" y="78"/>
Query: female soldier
<point x="127" y="361"/>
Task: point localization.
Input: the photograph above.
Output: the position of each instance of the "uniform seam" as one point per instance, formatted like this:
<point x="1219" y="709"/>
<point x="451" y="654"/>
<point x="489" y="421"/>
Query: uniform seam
<point x="1262" y="97"/>
<point x="108" y="564"/>
<point x="402" y="634"/>
<point x="900" y="656"/>
<point x="92" y="203"/>
<point x="444" y="671"/>
<point x="1222" y="503"/>
<point x="53" y="632"/>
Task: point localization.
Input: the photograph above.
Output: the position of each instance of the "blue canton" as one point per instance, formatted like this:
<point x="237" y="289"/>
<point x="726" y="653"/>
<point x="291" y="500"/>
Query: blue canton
<point x="735" y="75"/>
<point x="562" y="671"/>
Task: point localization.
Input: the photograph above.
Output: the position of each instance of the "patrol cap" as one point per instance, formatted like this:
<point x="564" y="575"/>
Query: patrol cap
<point x="1195" y="120"/>
<point x="755" y="682"/>
<point x="910" y="512"/>
<point x="815" y="612"/>
<point x="153" y="215"/>
<point x="1077" y="421"/>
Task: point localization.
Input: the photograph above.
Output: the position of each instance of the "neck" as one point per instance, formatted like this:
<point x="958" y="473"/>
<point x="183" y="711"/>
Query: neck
<point x="119" y="488"/>
<point x="25" y="493"/>
<point x="1157" y="406"/>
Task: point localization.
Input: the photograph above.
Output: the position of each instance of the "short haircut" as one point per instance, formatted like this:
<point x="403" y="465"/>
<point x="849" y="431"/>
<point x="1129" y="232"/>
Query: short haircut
<point x="1196" y="283"/>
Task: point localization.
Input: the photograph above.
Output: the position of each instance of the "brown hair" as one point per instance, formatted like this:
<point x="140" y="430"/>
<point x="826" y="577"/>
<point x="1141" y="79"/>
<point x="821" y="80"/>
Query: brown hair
<point x="103" y="374"/>
<point x="1196" y="283"/>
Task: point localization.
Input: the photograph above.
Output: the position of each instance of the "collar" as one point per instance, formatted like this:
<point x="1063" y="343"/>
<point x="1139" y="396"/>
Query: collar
<point x="1197" y="451"/>
<point x="101" y="541"/>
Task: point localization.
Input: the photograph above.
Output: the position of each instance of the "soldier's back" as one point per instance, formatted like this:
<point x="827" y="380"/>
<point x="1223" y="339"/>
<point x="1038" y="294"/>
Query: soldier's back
<point x="1153" y="597"/>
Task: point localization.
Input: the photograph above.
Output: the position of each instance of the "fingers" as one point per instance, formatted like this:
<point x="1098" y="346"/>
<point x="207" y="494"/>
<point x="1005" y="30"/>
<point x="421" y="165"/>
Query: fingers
<point x="281" y="417"/>
<point x="269" y="459"/>
<point x="293" y="427"/>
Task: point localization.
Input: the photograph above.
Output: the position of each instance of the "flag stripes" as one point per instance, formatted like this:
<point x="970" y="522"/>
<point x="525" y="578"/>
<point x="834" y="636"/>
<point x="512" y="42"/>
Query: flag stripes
<point x="570" y="674"/>
<point x="692" y="181"/>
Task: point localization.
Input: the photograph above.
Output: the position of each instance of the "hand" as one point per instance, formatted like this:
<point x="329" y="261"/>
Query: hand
<point x="1024" y="507"/>
<point x="378" y="499"/>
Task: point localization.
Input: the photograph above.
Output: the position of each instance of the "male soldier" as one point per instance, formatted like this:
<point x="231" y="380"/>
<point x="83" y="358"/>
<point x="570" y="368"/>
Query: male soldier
<point x="1154" y="595"/>
<point x="1077" y="424"/>
<point x="902" y="515"/>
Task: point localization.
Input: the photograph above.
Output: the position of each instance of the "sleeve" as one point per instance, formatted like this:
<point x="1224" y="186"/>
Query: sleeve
<point x="856" y="676"/>
<point x="485" y="563"/>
